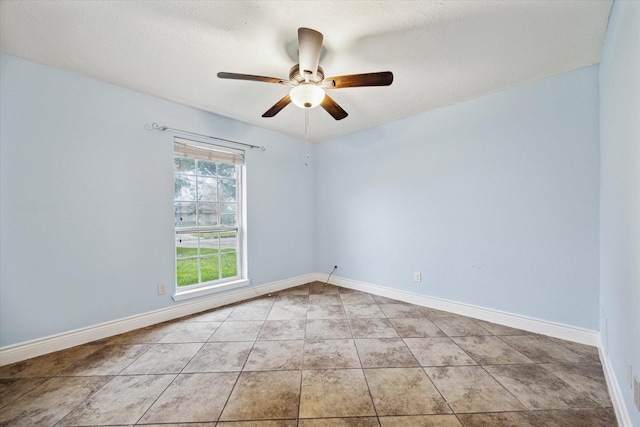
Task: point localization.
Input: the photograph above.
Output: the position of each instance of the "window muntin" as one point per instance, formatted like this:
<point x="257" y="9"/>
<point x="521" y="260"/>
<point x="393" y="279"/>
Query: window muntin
<point x="208" y="217"/>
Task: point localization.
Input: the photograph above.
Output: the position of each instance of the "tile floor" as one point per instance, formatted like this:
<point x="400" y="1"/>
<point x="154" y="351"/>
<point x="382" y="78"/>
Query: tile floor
<point x="313" y="356"/>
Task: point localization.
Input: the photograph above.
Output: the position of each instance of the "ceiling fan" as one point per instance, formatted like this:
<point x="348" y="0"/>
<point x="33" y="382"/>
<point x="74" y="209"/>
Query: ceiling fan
<point x="307" y="80"/>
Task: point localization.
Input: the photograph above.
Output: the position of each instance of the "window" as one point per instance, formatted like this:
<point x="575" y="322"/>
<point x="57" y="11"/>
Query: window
<point x="209" y="212"/>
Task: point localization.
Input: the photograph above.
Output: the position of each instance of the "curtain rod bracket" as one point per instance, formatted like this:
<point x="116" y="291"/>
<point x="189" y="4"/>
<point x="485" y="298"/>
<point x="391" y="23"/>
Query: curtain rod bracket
<point x="155" y="126"/>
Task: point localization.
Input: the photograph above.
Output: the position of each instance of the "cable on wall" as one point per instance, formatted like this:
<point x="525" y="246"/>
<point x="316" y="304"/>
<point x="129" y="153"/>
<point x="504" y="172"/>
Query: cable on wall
<point x="156" y="126"/>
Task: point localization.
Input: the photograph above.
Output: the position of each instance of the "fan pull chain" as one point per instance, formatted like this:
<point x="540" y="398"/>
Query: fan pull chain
<point x="306" y="134"/>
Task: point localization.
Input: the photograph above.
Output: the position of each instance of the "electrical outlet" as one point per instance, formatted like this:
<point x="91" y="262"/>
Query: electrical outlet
<point x="162" y="289"/>
<point x="417" y="276"/>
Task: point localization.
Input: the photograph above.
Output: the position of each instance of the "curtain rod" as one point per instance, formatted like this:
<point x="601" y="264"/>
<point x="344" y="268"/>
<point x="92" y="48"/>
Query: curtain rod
<point x="156" y="126"/>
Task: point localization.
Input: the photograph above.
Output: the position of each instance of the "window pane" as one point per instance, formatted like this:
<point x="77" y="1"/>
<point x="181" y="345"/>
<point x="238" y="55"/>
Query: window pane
<point x="209" y="269"/>
<point x="186" y="245"/>
<point x="227" y="220"/>
<point x="184" y="165"/>
<point x="227" y="190"/>
<point x="207" y="214"/>
<point x="207" y="189"/>
<point x="187" y="271"/>
<point x="185" y="214"/>
<point x="228" y="208"/>
<point x="229" y="265"/>
<point x="206" y="168"/>
<point x="226" y="170"/>
<point x="229" y="241"/>
<point x="209" y="242"/>
<point x="184" y="187"/>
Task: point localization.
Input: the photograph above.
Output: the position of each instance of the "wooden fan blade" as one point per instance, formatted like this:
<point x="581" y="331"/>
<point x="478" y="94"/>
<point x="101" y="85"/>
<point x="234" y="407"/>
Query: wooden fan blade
<point x="333" y="108"/>
<point x="309" y="49"/>
<point x="277" y="107"/>
<point x="383" y="78"/>
<point x="236" y="76"/>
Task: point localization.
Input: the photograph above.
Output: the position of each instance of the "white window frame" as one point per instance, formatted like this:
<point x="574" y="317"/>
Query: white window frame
<point x="203" y="151"/>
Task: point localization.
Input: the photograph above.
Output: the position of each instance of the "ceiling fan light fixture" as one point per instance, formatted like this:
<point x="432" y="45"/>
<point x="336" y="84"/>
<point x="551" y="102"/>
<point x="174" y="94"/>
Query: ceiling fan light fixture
<point x="307" y="95"/>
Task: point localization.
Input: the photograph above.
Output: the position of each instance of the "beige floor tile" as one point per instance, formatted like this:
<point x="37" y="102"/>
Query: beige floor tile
<point x="223" y="356"/>
<point x="541" y="349"/>
<point x="325" y="299"/>
<point x="385" y="353"/>
<point x="356" y="298"/>
<point x="13" y="388"/>
<point x="283" y="330"/>
<point x="287" y="312"/>
<point x="47" y="403"/>
<point x="216" y="315"/>
<point x="321" y="288"/>
<point x="459" y="326"/>
<point x="557" y="418"/>
<point x="586" y="378"/>
<point x="538" y="388"/>
<point x="496" y="329"/>
<point x="163" y="359"/>
<point x="298" y="290"/>
<point x="420" y="327"/>
<point x="122" y="401"/>
<point x="330" y="354"/>
<point x="326" y="312"/>
<point x="490" y="350"/>
<point x="588" y="353"/>
<point x="404" y="391"/>
<point x="335" y="393"/>
<point x="302" y="363"/>
<point x="237" y="331"/>
<point x="259" y="301"/>
<point x="438" y="352"/>
<point x="372" y="328"/>
<point x="363" y="311"/>
<point x="421" y="421"/>
<point x="265" y="423"/>
<point x="192" y="398"/>
<point x="48" y="365"/>
<point x="292" y="300"/>
<point x="396" y="311"/>
<point x="190" y="332"/>
<point x="319" y="329"/>
<point x="108" y="360"/>
<point x="340" y="422"/>
<point x="247" y="312"/>
<point x="386" y="300"/>
<point x="264" y="396"/>
<point x="471" y="389"/>
<point x="275" y="356"/>
<point x="433" y="313"/>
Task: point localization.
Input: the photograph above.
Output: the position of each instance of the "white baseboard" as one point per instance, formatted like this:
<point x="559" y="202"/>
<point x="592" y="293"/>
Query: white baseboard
<point x="614" y="389"/>
<point x="26" y="350"/>
<point x="556" y="330"/>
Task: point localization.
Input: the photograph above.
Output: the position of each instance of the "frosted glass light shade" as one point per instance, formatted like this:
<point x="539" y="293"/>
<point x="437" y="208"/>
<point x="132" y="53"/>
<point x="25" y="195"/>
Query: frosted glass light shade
<point x="307" y="95"/>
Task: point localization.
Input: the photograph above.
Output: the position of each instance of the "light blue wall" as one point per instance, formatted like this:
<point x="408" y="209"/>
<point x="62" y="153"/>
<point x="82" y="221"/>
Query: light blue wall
<point x="620" y="195"/>
<point x="86" y="200"/>
<point x="494" y="200"/>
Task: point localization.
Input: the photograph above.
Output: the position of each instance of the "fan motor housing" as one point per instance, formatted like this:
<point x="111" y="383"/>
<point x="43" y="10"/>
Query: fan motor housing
<point x="296" y="77"/>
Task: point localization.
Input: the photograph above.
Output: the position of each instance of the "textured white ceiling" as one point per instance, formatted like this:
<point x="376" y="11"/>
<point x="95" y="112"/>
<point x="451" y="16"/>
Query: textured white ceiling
<point x="441" y="52"/>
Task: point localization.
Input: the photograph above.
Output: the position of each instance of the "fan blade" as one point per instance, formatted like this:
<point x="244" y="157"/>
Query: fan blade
<point x="309" y="49"/>
<point x="277" y="107"/>
<point x="383" y="78"/>
<point x="235" y="76"/>
<point x="333" y="108"/>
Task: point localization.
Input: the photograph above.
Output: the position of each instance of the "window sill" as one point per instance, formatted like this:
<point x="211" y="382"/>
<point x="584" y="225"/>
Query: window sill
<point x="207" y="290"/>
